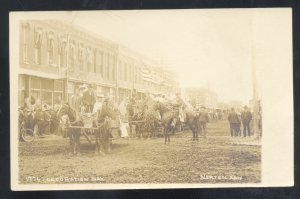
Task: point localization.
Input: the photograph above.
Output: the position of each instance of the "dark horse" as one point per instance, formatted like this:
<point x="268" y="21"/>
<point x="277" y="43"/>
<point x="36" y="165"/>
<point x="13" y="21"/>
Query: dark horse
<point x="192" y="122"/>
<point x="169" y="117"/>
<point x="103" y="134"/>
<point x="71" y="127"/>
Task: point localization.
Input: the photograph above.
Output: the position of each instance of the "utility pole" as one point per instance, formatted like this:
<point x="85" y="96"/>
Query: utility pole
<point x="254" y="86"/>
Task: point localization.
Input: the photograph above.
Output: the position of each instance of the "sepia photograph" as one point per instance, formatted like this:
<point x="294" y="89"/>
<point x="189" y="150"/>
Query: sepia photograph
<point x="149" y="98"/>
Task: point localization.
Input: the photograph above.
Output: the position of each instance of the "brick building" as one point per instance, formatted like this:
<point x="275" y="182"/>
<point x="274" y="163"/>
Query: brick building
<point x="56" y="57"/>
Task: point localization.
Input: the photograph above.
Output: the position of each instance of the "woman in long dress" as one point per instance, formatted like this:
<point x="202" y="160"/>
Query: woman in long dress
<point x="123" y="119"/>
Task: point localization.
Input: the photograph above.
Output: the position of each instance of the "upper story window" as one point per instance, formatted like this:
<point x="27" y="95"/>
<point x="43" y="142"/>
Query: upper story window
<point x="130" y="72"/>
<point x="95" y="60"/>
<point x="80" y="57"/>
<point x="62" y="52"/>
<point x="108" y="66"/>
<point x="125" y="71"/>
<point x="88" y="59"/>
<point x="50" y="50"/>
<point x="113" y="68"/>
<point x="134" y="73"/>
<point x="26" y="29"/>
<point x="37" y="45"/>
<point x="101" y="63"/>
<point x="120" y="70"/>
<point x="72" y="56"/>
<point x="140" y="75"/>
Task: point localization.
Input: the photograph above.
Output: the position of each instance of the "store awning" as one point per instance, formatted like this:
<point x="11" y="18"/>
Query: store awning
<point x="24" y="71"/>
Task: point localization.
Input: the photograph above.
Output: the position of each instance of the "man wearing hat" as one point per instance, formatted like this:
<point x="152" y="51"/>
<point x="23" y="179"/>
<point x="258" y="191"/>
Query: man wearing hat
<point x="202" y="120"/>
<point x="99" y="102"/>
<point x="246" y="117"/>
<point x="234" y="121"/>
<point x="89" y="99"/>
<point x="76" y="99"/>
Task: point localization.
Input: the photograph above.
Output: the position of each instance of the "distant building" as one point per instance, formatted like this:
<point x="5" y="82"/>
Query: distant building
<point x="56" y="57"/>
<point x="201" y="96"/>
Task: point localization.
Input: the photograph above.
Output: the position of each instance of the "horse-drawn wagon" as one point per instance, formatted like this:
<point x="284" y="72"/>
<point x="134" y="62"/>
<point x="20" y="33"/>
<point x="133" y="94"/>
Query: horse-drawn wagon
<point x="88" y="127"/>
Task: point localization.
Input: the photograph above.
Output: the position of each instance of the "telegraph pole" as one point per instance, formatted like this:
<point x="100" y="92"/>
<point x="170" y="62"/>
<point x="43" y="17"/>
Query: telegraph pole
<point x="254" y="86"/>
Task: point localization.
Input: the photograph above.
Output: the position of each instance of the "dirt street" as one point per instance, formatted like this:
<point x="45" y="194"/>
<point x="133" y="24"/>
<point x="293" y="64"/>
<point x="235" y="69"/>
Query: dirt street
<point x="215" y="159"/>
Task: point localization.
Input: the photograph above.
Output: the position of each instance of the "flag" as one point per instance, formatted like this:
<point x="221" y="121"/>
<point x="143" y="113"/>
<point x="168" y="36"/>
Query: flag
<point x="146" y="75"/>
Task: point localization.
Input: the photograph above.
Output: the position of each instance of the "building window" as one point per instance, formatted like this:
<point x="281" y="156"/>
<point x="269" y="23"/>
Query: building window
<point x="101" y="64"/>
<point x="125" y="71"/>
<point x="88" y="60"/>
<point x="26" y="29"/>
<point x="72" y="57"/>
<point x="47" y="91"/>
<point x="95" y="61"/>
<point x="35" y="88"/>
<point x="80" y="58"/>
<point x="37" y="45"/>
<point x="108" y="66"/>
<point x="140" y="76"/>
<point x="62" y="53"/>
<point x="113" y="68"/>
<point x="50" y="50"/>
<point x="22" y="90"/>
<point x="130" y="72"/>
<point x="120" y="70"/>
<point x="58" y="92"/>
<point x="135" y="74"/>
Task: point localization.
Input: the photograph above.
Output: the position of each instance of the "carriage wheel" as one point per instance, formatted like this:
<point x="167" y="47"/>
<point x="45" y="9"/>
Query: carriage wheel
<point x="27" y="135"/>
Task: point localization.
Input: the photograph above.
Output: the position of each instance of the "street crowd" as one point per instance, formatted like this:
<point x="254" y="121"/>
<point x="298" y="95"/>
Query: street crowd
<point x="87" y="101"/>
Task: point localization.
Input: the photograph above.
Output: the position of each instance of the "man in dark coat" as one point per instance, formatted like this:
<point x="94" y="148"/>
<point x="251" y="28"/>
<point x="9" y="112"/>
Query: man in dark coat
<point x="202" y="120"/>
<point x="234" y="122"/>
<point x="130" y="110"/>
<point x="89" y="99"/>
<point x="246" y="117"/>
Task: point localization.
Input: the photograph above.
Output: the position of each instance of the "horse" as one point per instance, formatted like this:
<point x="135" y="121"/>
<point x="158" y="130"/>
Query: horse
<point x="103" y="133"/>
<point x="192" y="122"/>
<point x="67" y="117"/>
<point x="169" y="117"/>
<point x="102" y="136"/>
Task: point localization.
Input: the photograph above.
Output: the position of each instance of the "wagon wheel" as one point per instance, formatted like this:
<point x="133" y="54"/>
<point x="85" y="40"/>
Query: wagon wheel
<point x="27" y="135"/>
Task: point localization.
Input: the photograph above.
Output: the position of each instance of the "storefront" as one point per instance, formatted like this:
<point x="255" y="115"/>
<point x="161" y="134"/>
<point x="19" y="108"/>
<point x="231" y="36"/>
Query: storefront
<point x="48" y="91"/>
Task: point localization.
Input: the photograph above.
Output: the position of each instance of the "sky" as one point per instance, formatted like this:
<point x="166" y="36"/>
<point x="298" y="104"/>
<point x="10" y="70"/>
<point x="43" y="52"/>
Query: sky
<point x="212" y="48"/>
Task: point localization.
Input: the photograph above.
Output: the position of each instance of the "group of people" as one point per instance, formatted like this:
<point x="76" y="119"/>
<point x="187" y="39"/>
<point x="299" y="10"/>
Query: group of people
<point x="235" y="120"/>
<point x="86" y="100"/>
<point x="37" y="116"/>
